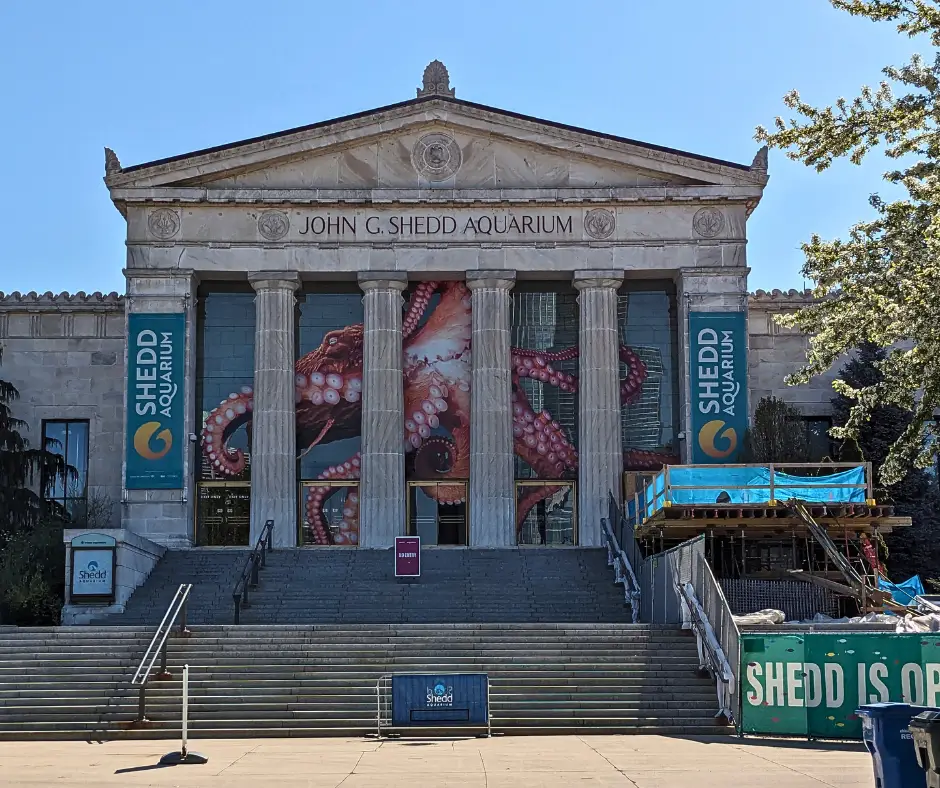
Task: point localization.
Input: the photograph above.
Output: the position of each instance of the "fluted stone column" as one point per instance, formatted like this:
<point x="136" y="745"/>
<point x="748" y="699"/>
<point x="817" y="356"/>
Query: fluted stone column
<point x="492" y="497"/>
<point x="600" y="465"/>
<point x="382" y="474"/>
<point x="274" y="427"/>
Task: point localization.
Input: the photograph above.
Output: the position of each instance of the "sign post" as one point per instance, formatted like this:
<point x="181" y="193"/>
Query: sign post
<point x="155" y="395"/>
<point x="407" y="556"/>
<point x="184" y="756"/>
<point x="92" y="575"/>
<point x="718" y="385"/>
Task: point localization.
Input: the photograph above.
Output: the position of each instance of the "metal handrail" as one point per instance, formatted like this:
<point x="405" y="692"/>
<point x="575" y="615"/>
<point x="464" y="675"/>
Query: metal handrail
<point x="716" y="631"/>
<point x="623" y="571"/>
<point x="142" y="675"/>
<point x="257" y="560"/>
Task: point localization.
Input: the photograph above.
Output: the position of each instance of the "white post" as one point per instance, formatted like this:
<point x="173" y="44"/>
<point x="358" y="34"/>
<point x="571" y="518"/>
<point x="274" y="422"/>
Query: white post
<point x="185" y="705"/>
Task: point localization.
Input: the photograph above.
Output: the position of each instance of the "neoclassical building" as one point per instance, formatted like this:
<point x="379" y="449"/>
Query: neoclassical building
<point x="435" y="317"/>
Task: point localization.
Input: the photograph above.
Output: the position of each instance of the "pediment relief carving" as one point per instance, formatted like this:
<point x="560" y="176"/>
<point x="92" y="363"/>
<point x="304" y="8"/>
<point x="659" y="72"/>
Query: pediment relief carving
<point x="447" y="158"/>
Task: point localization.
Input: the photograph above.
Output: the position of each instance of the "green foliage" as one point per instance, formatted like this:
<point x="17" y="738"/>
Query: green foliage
<point x="777" y="434"/>
<point x="882" y="284"/>
<point x="32" y="556"/>
<point x="32" y="571"/>
<point x="22" y="469"/>
<point x="914" y="550"/>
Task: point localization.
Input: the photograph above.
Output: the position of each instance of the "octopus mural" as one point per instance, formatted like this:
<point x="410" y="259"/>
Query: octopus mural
<point x="436" y="428"/>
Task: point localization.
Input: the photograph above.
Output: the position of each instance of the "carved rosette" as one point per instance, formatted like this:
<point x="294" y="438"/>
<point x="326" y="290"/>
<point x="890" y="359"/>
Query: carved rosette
<point x="163" y="223"/>
<point x="708" y="222"/>
<point x="436" y="157"/>
<point x="273" y="225"/>
<point x="600" y="223"/>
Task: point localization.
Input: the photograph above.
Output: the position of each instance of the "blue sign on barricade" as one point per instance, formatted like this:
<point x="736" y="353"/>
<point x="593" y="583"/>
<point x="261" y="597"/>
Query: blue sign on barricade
<point x="440" y="699"/>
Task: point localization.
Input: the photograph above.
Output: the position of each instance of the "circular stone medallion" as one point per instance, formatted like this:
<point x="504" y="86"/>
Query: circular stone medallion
<point x="163" y="223"/>
<point x="708" y="222"/>
<point x="436" y="157"/>
<point x="600" y="223"/>
<point x="273" y="225"/>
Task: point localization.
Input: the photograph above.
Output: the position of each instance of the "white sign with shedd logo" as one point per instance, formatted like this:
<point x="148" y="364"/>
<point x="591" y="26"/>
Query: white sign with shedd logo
<point x="93" y="568"/>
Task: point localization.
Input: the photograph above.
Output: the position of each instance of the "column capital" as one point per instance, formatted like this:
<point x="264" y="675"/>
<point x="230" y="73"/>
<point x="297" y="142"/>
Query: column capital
<point x="597" y="280"/>
<point x="274" y="280"/>
<point x="491" y="280"/>
<point x="383" y="280"/>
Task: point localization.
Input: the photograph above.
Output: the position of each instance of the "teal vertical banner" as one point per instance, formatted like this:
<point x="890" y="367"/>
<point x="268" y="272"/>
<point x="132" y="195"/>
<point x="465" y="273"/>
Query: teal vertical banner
<point x="156" y="352"/>
<point x="718" y="384"/>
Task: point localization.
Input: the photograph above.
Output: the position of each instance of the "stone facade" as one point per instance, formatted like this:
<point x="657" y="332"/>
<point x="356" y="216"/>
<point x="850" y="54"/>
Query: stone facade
<point x="65" y="355"/>
<point x="776" y="351"/>
<point x="432" y="189"/>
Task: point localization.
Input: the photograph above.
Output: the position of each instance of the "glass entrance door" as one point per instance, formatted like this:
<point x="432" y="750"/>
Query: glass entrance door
<point x="551" y="512"/>
<point x="437" y="512"/>
<point x="223" y="514"/>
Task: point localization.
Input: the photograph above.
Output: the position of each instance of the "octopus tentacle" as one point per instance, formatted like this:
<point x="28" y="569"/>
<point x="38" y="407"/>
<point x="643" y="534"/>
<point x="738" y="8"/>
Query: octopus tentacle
<point x="530" y="498"/>
<point x="317" y="495"/>
<point x="542" y="443"/>
<point x="632" y="385"/>
<point x="547" y="355"/>
<point x="644" y="460"/>
<point x="536" y="364"/>
<point x="540" y="440"/>
<point x="221" y="423"/>
<point x="327" y="389"/>
<point x="537" y="367"/>
<point x="417" y="305"/>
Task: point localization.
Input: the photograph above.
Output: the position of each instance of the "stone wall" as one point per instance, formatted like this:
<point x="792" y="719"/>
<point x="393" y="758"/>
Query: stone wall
<point x="65" y="355"/>
<point x="776" y="351"/>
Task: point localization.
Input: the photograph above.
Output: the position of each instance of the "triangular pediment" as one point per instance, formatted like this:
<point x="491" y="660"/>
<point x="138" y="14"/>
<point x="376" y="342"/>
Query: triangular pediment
<point x="436" y="143"/>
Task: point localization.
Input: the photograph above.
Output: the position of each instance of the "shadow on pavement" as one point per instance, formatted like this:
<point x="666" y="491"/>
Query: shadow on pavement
<point x="791" y="744"/>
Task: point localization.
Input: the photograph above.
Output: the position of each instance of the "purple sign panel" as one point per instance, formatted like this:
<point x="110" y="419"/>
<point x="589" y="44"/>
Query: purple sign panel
<point x="407" y="556"/>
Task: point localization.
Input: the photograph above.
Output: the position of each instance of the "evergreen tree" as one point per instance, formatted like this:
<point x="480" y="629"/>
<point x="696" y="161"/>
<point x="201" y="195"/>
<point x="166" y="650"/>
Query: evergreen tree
<point x="32" y="555"/>
<point x="22" y="470"/>
<point x="777" y="434"/>
<point x="914" y="550"/>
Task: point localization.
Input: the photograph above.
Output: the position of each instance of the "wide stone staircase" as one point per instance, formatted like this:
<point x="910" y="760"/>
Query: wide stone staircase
<point x="335" y="585"/>
<point x="303" y="680"/>
<point x="549" y="627"/>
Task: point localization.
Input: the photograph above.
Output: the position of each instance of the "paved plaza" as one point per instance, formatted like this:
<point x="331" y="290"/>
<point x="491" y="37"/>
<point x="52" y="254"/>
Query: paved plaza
<point x="501" y="762"/>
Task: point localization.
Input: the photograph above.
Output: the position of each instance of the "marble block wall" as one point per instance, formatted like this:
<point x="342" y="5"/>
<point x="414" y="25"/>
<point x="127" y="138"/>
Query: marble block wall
<point x="65" y="356"/>
<point x="776" y="351"/>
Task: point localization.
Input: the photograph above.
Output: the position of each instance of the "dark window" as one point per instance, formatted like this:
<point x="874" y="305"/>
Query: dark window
<point x="68" y="439"/>
<point x="821" y="446"/>
<point x="649" y="419"/>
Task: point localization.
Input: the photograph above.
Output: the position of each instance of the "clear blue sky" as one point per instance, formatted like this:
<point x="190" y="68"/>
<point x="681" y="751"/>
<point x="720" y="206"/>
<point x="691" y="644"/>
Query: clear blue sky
<point x="157" y="79"/>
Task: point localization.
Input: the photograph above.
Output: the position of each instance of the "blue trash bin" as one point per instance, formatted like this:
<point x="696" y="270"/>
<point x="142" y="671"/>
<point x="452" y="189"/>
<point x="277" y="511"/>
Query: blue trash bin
<point x="891" y="744"/>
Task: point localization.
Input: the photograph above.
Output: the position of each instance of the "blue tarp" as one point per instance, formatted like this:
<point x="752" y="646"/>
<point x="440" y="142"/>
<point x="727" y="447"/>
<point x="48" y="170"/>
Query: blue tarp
<point x="752" y="485"/>
<point x="903" y="593"/>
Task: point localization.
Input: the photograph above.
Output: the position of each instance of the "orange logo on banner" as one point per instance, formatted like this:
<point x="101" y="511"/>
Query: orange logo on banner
<point x="714" y="431"/>
<point x="143" y="436"/>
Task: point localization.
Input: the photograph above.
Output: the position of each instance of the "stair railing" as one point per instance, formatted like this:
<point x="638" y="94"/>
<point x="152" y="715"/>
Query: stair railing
<point x="620" y="561"/>
<point x="719" y="640"/>
<point x="248" y="579"/>
<point x="158" y="648"/>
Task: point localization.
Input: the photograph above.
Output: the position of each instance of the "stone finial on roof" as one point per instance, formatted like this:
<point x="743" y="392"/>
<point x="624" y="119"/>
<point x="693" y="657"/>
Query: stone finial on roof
<point x="760" y="160"/>
<point x="112" y="164"/>
<point x="436" y="81"/>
